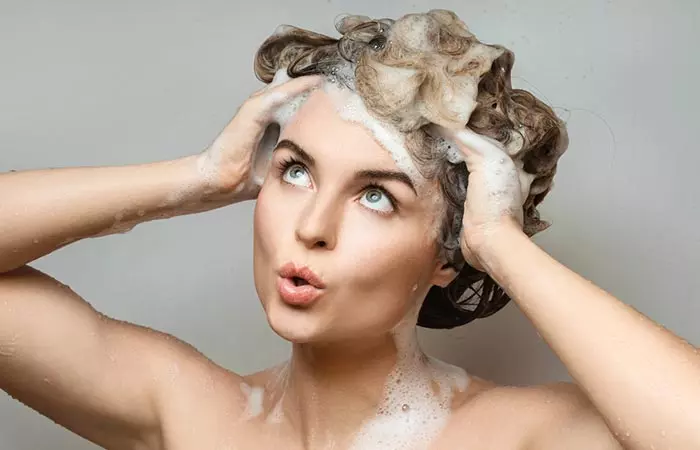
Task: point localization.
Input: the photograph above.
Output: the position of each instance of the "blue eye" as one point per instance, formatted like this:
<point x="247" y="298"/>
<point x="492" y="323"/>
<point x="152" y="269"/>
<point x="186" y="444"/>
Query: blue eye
<point x="377" y="200"/>
<point x="296" y="174"/>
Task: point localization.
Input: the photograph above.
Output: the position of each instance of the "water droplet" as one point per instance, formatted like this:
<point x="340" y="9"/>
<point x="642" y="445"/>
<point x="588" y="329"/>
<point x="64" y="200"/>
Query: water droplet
<point x="405" y="407"/>
<point x="377" y="43"/>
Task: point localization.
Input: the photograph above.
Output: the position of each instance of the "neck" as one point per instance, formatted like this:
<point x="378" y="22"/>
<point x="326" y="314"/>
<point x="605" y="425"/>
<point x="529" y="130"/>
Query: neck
<point x="333" y="388"/>
<point x="350" y="394"/>
<point x="347" y="382"/>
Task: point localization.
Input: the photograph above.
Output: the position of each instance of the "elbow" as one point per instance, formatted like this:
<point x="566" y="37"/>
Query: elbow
<point x="10" y="271"/>
<point x="8" y="265"/>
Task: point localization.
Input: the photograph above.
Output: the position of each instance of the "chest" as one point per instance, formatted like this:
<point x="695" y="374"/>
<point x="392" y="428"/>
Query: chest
<point x="214" y="427"/>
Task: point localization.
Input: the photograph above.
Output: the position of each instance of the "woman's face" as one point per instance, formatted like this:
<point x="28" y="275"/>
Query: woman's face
<point x="335" y="202"/>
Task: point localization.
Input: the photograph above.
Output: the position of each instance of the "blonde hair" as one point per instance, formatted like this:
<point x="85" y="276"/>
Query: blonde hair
<point x="423" y="69"/>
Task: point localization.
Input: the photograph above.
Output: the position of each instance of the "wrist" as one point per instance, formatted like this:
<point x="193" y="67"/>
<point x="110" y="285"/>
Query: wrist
<point x="216" y="181"/>
<point x="494" y="241"/>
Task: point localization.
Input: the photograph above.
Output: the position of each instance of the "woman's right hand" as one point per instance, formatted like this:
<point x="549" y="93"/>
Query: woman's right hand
<point x="48" y="209"/>
<point x="228" y="163"/>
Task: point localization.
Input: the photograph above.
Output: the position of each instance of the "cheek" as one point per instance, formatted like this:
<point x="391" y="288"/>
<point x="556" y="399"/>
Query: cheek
<point x="380" y="280"/>
<point x="271" y="238"/>
<point x="261" y="246"/>
<point x="261" y="221"/>
<point x="436" y="207"/>
<point x="388" y="260"/>
<point x="383" y="254"/>
<point x="270" y="206"/>
<point x="269" y="233"/>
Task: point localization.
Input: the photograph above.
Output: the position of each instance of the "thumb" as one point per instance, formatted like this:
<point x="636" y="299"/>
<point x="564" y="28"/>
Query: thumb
<point x="257" y="112"/>
<point x="263" y="104"/>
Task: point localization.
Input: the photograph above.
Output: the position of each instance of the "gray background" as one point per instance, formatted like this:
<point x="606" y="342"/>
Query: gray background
<point x="98" y="83"/>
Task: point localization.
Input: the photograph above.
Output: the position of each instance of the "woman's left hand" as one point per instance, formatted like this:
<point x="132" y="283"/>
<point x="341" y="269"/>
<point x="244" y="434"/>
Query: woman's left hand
<point x="611" y="365"/>
<point x="495" y="193"/>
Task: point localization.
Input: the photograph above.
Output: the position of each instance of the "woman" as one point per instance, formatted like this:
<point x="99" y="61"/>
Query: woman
<point x="350" y="238"/>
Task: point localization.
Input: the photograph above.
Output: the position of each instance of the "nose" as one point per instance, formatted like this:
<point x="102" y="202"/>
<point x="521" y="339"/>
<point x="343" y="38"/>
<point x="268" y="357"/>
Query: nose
<point x="318" y="223"/>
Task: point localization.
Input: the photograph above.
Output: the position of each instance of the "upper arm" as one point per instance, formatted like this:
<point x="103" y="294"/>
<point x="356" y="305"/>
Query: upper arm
<point x="95" y="376"/>
<point x="569" y="420"/>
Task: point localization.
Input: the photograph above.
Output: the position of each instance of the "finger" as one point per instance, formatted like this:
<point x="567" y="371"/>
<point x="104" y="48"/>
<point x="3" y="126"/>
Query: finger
<point x="279" y="95"/>
<point x="471" y="143"/>
<point x="257" y="112"/>
<point x="467" y="146"/>
<point x="447" y="143"/>
<point x="486" y="147"/>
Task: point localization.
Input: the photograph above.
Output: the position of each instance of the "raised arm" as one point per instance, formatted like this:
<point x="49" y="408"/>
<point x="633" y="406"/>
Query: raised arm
<point x="643" y="380"/>
<point x="91" y="374"/>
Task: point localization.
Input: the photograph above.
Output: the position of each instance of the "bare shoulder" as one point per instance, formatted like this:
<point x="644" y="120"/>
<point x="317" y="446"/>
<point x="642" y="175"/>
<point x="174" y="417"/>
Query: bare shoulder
<point x="568" y="419"/>
<point x="182" y="375"/>
<point x="550" y="399"/>
<point x="552" y="416"/>
<point x="109" y="381"/>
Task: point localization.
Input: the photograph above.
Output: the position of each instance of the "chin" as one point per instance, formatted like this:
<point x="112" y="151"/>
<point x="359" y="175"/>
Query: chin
<point x="298" y="326"/>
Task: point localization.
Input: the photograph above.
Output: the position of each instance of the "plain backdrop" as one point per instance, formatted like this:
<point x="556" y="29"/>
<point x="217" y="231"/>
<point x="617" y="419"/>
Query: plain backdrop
<point x="106" y="82"/>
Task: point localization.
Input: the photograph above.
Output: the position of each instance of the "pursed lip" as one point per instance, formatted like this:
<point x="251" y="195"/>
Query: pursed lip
<point x="299" y="286"/>
<point x="291" y="271"/>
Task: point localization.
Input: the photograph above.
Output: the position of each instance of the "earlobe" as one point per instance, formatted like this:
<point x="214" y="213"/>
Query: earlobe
<point x="444" y="274"/>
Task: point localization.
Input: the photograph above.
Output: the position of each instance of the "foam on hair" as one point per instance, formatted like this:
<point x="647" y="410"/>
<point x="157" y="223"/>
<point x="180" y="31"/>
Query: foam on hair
<point x="425" y="69"/>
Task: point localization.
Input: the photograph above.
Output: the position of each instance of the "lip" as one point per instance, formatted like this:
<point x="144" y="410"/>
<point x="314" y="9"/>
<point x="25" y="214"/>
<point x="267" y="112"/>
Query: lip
<point x="302" y="295"/>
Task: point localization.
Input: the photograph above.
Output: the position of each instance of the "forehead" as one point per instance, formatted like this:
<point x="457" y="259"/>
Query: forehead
<point x="320" y="129"/>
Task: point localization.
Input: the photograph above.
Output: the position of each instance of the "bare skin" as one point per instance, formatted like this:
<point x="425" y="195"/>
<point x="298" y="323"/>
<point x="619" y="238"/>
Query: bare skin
<point x="122" y="386"/>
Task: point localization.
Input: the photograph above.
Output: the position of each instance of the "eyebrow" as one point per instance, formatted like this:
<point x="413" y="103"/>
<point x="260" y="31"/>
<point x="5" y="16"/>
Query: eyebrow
<point x="387" y="175"/>
<point x="361" y="175"/>
<point x="297" y="150"/>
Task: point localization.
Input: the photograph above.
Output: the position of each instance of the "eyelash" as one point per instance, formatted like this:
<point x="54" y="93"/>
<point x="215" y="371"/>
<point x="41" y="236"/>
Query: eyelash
<point x="290" y="161"/>
<point x="287" y="163"/>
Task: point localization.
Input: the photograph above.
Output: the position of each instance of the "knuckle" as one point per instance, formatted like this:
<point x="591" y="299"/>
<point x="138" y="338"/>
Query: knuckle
<point x="250" y="103"/>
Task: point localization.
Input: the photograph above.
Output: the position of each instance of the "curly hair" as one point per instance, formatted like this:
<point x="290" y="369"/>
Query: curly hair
<point x="423" y="69"/>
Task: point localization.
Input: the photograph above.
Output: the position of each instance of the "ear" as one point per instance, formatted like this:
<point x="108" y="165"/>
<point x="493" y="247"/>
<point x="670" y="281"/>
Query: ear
<point x="444" y="274"/>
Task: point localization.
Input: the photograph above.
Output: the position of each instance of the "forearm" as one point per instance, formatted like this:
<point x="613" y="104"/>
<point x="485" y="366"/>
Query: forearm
<point x="42" y="210"/>
<point x="643" y="379"/>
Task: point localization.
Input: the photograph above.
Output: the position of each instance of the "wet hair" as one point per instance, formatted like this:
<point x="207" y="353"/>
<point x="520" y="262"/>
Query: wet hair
<point x="423" y="69"/>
